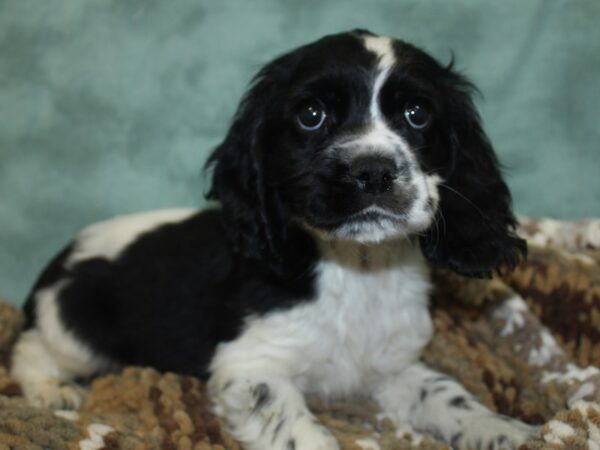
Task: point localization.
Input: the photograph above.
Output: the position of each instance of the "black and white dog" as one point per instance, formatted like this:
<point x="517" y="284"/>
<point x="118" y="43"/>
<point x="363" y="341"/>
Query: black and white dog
<point x="351" y="162"/>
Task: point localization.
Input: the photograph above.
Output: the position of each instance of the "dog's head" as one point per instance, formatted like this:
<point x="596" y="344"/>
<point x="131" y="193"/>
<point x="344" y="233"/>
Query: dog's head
<point x="364" y="138"/>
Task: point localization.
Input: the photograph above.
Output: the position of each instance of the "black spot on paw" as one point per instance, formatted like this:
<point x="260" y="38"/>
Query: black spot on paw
<point x="277" y="430"/>
<point x="291" y="445"/>
<point x="455" y="439"/>
<point x="262" y="396"/>
<point x="423" y="394"/>
<point x="459" y="402"/>
<point x="439" y="379"/>
<point x="439" y="389"/>
<point x="502" y="439"/>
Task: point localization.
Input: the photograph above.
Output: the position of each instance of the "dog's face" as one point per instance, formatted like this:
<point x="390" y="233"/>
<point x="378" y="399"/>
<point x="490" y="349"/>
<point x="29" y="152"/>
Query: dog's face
<point x="348" y="142"/>
<point x="364" y="138"/>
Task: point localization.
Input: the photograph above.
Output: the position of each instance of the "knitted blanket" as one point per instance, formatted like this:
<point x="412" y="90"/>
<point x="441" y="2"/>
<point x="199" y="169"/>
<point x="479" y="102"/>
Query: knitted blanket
<point x="527" y="344"/>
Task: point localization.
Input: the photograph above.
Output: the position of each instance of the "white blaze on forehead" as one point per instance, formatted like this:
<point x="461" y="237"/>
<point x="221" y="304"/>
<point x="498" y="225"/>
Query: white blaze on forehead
<point x="383" y="49"/>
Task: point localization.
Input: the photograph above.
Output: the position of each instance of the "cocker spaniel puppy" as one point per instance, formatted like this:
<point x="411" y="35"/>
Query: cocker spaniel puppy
<point x="352" y="163"/>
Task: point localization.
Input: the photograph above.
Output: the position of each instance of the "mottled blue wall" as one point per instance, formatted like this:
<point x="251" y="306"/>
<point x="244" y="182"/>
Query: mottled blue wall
<point x="112" y="106"/>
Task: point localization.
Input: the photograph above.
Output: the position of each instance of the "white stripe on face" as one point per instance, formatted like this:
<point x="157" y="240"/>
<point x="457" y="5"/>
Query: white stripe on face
<point x="378" y="138"/>
<point x="382" y="48"/>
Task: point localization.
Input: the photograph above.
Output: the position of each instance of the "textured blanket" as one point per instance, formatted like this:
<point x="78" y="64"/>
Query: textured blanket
<point x="527" y="344"/>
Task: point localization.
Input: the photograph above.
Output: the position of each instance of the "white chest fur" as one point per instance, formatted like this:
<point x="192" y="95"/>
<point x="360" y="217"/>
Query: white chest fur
<point x="369" y="318"/>
<point x="373" y="305"/>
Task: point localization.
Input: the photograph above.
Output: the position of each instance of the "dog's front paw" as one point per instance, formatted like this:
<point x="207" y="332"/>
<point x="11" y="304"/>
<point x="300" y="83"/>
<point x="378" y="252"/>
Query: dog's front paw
<point x="493" y="432"/>
<point x="309" y="434"/>
<point x="52" y="393"/>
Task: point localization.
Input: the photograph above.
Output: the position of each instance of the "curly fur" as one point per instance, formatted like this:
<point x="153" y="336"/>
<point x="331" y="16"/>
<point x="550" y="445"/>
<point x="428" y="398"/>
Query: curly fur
<point x="344" y="157"/>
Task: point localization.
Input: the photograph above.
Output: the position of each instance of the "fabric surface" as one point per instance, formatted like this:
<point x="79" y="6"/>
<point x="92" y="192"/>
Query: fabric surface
<point x="525" y="344"/>
<point x="111" y="107"/>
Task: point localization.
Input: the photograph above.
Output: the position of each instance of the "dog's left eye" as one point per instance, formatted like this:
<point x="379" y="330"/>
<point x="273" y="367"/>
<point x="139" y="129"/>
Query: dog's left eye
<point x="311" y="115"/>
<point x="417" y="114"/>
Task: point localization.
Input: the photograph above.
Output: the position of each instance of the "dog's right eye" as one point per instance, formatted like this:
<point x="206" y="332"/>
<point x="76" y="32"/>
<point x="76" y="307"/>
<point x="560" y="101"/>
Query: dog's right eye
<point x="311" y="115"/>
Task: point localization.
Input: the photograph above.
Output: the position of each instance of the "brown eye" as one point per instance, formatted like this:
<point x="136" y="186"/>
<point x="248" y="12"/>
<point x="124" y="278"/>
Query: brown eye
<point x="311" y="115"/>
<point x="417" y="114"/>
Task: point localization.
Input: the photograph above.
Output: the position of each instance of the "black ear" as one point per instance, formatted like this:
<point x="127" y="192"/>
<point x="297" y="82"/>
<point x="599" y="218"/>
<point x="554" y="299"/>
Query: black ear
<point x="474" y="231"/>
<point x="251" y="212"/>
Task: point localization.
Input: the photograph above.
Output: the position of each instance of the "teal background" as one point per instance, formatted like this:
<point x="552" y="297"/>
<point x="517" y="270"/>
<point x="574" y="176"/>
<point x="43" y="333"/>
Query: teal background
<point x="108" y="107"/>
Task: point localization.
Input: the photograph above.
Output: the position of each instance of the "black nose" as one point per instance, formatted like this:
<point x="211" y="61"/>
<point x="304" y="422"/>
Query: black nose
<point x="374" y="174"/>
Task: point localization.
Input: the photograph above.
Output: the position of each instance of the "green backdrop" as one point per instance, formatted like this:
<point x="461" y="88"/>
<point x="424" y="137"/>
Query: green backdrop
<point x="109" y="107"/>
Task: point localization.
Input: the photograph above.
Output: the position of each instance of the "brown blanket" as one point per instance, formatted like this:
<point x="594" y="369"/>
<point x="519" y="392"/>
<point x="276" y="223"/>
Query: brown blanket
<point x="527" y="344"/>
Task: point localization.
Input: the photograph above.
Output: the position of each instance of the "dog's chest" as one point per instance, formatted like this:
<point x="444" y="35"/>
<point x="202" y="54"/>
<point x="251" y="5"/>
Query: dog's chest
<point x="368" y="318"/>
<point x="370" y="315"/>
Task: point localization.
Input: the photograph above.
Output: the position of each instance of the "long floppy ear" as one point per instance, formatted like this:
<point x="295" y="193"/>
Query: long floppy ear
<point x="251" y="212"/>
<point x="474" y="232"/>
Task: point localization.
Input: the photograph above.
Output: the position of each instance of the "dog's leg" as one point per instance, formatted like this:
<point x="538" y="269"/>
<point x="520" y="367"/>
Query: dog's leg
<point x="435" y="403"/>
<point x="44" y="376"/>
<point x="267" y="412"/>
<point x="47" y="358"/>
<point x="256" y="388"/>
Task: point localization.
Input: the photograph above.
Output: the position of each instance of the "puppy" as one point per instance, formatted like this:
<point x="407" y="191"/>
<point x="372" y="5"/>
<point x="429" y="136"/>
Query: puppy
<point x="352" y="163"/>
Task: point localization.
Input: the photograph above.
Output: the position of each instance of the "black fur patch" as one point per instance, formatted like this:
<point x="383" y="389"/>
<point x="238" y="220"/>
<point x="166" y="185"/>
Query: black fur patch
<point x="277" y="430"/>
<point x="459" y="402"/>
<point x="262" y="396"/>
<point x="439" y="389"/>
<point x="455" y="439"/>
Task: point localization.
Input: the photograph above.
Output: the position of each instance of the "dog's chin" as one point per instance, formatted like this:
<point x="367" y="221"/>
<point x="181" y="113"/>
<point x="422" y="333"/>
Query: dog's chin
<point x="372" y="231"/>
<point x="374" y="225"/>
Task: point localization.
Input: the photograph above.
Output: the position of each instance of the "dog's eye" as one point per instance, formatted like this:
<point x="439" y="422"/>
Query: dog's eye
<point x="417" y="114"/>
<point x="311" y="115"/>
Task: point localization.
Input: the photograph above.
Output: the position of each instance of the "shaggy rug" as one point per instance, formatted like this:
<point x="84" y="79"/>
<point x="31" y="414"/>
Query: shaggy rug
<point x="527" y="344"/>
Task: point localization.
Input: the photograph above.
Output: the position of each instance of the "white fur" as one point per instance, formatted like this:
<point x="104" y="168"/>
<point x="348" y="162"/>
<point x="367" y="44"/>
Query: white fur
<point x="362" y="334"/>
<point x="48" y="356"/>
<point x="370" y="318"/>
<point x="423" y="398"/>
<point x="331" y="344"/>
<point x="108" y="238"/>
<point x="382" y="48"/>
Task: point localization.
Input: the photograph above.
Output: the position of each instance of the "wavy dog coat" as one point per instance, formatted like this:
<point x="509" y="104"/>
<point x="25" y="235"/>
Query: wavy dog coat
<point x="352" y="163"/>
